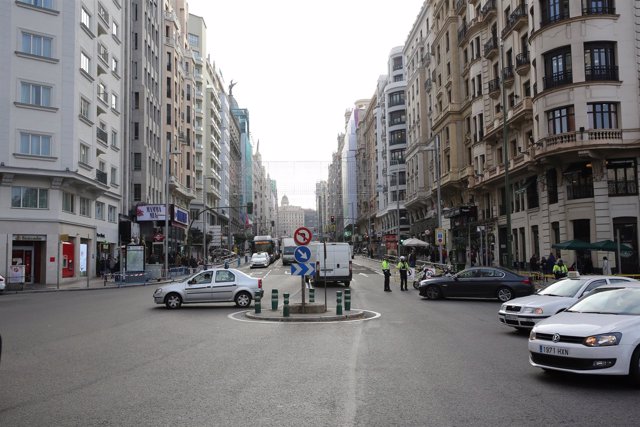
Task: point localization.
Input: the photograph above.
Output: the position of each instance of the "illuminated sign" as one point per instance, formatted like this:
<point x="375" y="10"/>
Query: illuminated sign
<point x="150" y="213"/>
<point x="181" y="216"/>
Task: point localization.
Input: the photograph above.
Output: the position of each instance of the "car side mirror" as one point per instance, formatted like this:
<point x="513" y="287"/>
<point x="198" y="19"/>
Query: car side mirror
<point x="192" y="281"/>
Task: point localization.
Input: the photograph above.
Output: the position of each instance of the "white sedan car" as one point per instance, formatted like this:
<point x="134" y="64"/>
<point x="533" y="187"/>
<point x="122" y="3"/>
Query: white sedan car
<point x="3" y="283"/>
<point x="260" y="259"/>
<point x="524" y="313"/>
<point x="600" y="334"/>
<point x="214" y="285"/>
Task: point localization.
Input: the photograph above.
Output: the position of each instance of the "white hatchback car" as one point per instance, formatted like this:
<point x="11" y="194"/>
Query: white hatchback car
<point x="214" y="285"/>
<point x="524" y="313"/>
<point x="600" y="334"/>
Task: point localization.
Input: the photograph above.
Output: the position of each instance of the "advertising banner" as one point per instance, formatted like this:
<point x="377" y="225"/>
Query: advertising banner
<point x="150" y="213"/>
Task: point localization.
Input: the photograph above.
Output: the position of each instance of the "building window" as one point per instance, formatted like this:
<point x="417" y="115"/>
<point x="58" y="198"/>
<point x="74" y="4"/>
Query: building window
<point x="557" y="67"/>
<point x="137" y="192"/>
<point x="103" y="53"/>
<point x="560" y="120"/>
<point x="579" y="180"/>
<point x="398" y="137"/>
<point x="35" y="94"/>
<point x="68" y="202"/>
<point x="137" y="161"/>
<point x="622" y="177"/>
<point x="85" y="207"/>
<point x="136" y="130"/>
<point x="114" y="176"/>
<point x="552" y="186"/>
<point x="85" y="18"/>
<point x="85" y="63"/>
<point x="84" y="154"/>
<point x="114" y="101"/>
<point x="396" y="98"/>
<point x="45" y="4"/>
<point x="28" y="197"/>
<point x="115" y="29"/>
<point x="194" y="40"/>
<point x="35" y="144"/>
<point x="114" y="139"/>
<point x="113" y="213"/>
<point x="102" y="13"/>
<point x="397" y="118"/>
<point x="36" y="45"/>
<point x="103" y="94"/>
<point x="598" y="7"/>
<point x="84" y="108"/>
<point x="600" y="61"/>
<point x="114" y="65"/>
<point x="602" y="115"/>
<point x="554" y="10"/>
<point x="532" y="192"/>
<point x="100" y="210"/>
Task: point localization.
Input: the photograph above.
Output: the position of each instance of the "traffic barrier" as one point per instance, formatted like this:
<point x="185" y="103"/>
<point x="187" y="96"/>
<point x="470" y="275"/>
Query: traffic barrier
<point x="257" y="304"/>
<point x="347" y="299"/>
<point x="339" y="303"/>
<point x="312" y="295"/>
<point x="285" y="309"/>
<point x="274" y="299"/>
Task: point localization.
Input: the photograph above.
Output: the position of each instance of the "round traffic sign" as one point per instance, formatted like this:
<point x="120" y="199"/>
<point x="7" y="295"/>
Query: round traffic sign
<point x="302" y="236"/>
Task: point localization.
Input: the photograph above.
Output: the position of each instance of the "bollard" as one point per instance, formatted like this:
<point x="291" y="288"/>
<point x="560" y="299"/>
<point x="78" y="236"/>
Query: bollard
<point x="285" y="309"/>
<point x="257" y="304"/>
<point x="339" y="303"/>
<point x="347" y="300"/>
<point x="274" y="299"/>
<point x="238" y="261"/>
<point x="312" y="295"/>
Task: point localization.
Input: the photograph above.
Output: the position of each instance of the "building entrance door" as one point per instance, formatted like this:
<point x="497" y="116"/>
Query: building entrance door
<point x="24" y="256"/>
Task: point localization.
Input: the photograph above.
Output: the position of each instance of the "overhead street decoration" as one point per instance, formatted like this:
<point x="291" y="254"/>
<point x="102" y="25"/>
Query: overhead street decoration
<point x="302" y="236"/>
<point x="302" y="254"/>
<point x="303" y="269"/>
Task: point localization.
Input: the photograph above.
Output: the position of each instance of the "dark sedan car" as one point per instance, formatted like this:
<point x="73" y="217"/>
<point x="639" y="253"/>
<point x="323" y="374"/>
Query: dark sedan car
<point x="478" y="282"/>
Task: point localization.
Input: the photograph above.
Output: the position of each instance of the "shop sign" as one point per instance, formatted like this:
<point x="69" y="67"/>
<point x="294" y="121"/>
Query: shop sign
<point x="150" y="213"/>
<point x="181" y="216"/>
<point x="30" y="237"/>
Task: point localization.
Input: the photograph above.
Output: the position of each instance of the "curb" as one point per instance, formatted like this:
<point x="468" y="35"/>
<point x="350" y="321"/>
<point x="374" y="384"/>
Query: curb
<point x="353" y="315"/>
<point x="76" y="289"/>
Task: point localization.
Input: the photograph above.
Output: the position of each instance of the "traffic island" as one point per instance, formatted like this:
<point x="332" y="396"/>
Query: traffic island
<point x="324" y="316"/>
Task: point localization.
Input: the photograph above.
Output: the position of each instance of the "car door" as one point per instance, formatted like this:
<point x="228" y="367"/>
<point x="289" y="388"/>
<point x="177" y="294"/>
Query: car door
<point x="465" y="283"/>
<point x="224" y="286"/>
<point x="198" y="288"/>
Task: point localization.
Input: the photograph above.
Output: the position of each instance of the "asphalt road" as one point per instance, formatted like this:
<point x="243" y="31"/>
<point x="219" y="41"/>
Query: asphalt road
<point x="113" y="357"/>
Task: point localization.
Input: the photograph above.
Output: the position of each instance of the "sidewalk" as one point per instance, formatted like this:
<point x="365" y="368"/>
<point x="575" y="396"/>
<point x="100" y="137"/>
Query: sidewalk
<point x="81" y="284"/>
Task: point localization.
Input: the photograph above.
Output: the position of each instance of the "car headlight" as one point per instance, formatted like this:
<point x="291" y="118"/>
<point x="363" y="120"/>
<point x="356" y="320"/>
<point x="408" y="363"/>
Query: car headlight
<point x="533" y="310"/>
<point x="603" y="340"/>
<point x="158" y="291"/>
<point x="503" y="307"/>
<point x="532" y="335"/>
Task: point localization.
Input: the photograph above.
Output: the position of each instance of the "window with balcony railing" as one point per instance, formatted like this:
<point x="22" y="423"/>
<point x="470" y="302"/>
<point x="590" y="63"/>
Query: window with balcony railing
<point x="600" y="61"/>
<point x="557" y="66"/>
<point x="494" y="84"/>
<point x="598" y="7"/>
<point x="622" y="177"/>
<point x="579" y="181"/>
<point x="396" y="98"/>
<point x="522" y="59"/>
<point x="553" y="11"/>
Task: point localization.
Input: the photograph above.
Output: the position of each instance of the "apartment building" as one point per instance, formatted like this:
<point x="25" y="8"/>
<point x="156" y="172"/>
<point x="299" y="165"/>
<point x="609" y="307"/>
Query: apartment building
<point x="62" y="154"/>
<point x="366" y="175"/>
<point x="324" y="223"/>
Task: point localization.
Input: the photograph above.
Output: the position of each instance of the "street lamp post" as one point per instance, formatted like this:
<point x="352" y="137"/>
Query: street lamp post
<point x="166" y="207"/>
<point x="398" y="210"/>
<point x="436" y="151"/>
<point x="505" y="149"/>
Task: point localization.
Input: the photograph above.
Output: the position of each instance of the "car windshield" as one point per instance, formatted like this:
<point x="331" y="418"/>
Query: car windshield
<point x="563" y="288"/>
<point x="618" y="301"/>
<point x="289" y="250"/>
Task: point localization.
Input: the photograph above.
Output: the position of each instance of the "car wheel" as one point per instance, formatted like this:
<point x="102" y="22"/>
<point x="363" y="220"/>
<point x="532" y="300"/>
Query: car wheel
<point x="243" y="299"/>
<point x="173" y="301"/>
<point x="416" y="285"/>
<point x="347" y="283"/>
<point x="433" y="292"/>
<point x="634" y="367"/>
<point x="504" y="294"/>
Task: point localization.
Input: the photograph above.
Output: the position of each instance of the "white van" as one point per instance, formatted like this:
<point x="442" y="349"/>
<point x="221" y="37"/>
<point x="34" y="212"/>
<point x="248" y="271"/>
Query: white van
<point x="288" y="249"/>
<point x="337" y="267"/>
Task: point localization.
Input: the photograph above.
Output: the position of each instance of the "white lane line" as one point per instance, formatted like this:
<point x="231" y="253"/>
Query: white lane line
<point x="265" y="276"/>
<point x="362" y="274"/>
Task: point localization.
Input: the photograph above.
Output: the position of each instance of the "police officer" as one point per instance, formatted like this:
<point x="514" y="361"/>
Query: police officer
<point x="403" y="267"/>
<point x="387" y="274"/>
<point x="560" y="270"/>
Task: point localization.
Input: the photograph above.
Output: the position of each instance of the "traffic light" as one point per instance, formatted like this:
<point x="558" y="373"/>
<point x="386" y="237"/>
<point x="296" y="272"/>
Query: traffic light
<point x="249" y="208"/>
<point x="333" y="219"/>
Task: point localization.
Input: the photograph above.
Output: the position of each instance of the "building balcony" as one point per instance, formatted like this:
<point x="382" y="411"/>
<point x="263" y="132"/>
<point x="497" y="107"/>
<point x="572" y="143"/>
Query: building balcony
<point x="460" y="6"/>
<point x="494" y="88"/>
<point x="517" y="19"/>
<point x="595" y="9"/>
<point x="101" y="176"/>
<point x="491" y="48"/>
<point x="523" y="64"/>
<point x="428" y="85"/>
<point x="102" y="136"/>
<point x="552" y="19"/>
<point x="488" y="11"/>
<point x="601" y="73"/>
<point x="507" y="75"/>
<point x="521" y="113"/>
<point x="557" y="79"/>
<point x="580" y="140"/>
<point x="462" y="33"/>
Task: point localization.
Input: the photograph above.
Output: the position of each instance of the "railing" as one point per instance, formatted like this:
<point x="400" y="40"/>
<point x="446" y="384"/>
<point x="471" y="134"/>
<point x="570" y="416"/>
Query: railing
<point x="101" y="176"/>
<point x="507" y="72"/>
<point x="460" y="4"/>
<point x="488" y="8"/>
<point x="518" y="13"/>
<point x="622" y="188"/>
<point x="494" y="85"/>
<point x="604" y="134"/>
<point x="601" y="72"/>
<point x="579" y="192"/>
<point x="558" y="79"/>
<point x="562" y="138"/>
<point x="462" y="32"/>
<point x="102" y="136"/>
<point x="550" y="19"/>
<point x="599" y="10"/>
<point x="491" y="45"/>
<point x="522" y="59"/>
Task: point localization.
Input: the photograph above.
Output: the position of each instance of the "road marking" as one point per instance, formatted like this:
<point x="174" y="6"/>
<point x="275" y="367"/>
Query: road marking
<point x="237" y="314"/>
<point x="265" y="276"/>
<point x="362" y="274"/>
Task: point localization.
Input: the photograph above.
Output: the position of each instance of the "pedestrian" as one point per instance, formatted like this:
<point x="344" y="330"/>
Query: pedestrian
<point x="606" y="268"/>
<point x="543" y="268"/>
<point x="403" y="267"/>
<point x="560" y="270"/>
<point x="533" y="263"/>
<point x="387" y="274"/>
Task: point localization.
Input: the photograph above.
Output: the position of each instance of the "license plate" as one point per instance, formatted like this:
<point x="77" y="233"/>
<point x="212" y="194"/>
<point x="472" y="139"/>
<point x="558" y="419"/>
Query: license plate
<point x="511" y="317"/>
<point x="557" y="351"/>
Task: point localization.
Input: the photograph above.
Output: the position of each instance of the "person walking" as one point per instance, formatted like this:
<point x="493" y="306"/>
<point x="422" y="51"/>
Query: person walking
<point x="403" y="267"/>
<point x="387" y="274"/>
<point x="560" y="270"/>
<point x="606" y="268"/>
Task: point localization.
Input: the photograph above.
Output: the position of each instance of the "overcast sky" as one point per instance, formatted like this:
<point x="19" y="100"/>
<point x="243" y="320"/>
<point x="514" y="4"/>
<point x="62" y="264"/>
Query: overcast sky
<point x="298" y="66"/>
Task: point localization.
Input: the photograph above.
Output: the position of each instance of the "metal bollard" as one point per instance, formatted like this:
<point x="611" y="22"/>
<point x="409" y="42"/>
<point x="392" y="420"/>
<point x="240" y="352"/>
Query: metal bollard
<point x="312" y="295"/>
<point x="257" y="304"/>
<point x="347" y="300"/>
<point x="285" y="309"/>
<point x="339" y="303"/>
<point x="238" y="261"/>
<point x="274" y="299"/>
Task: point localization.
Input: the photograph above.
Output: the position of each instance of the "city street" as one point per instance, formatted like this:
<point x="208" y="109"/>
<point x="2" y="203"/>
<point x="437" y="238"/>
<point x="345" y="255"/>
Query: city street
<point x="113" y="357"/>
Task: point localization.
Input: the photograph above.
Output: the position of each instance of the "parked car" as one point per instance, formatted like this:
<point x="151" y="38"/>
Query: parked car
<point x="599" y="335"/>
<point x="3" y="283"/>
<point x="260" y="259"/>
<point x="478" y="282"/>
<point x="525" y="312"/>
<point x="213" y="285"/>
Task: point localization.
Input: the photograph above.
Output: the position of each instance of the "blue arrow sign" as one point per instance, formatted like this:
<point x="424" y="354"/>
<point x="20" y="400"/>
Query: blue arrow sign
<point x="303" y="269"/>
<point x="302" y="254"/>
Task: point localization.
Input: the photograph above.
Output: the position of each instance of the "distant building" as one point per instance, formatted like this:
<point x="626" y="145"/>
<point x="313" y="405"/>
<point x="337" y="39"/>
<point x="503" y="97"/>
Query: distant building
<point x="289" y="217"/>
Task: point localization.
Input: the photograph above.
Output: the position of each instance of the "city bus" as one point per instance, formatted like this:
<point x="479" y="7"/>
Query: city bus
<point x="266" y="244"/>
